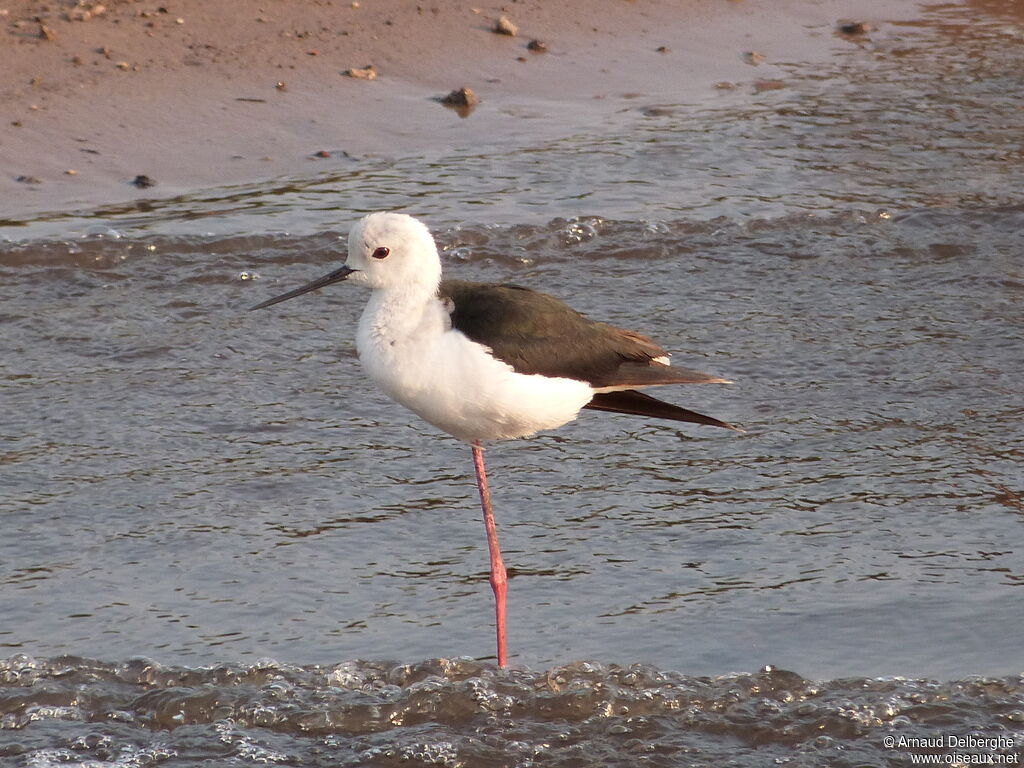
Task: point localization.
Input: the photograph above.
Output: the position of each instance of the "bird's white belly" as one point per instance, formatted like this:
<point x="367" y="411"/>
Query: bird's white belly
<point x="456" y="385"/>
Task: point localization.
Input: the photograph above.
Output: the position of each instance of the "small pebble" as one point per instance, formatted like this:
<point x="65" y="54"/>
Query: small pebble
<point x="505" y="27"/>
<point x="82" y="12"/>
<point x="661" y="49"/>
<point x="369" y="72"/>
<point x="322" y="153"/>
<point x="537" y="46"/>
<point x="753" y="57"/>
<point x="460" y="97"/>
<point x="71" y="172"/>
<point x="855" y="28"/>
<point x="280" y="85"/>
<point x="46" y="33"/>
<point x="28" y="180"/>
<point x="142" y="181"/>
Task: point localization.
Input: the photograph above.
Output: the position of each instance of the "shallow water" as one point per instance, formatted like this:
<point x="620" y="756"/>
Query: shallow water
<point x="462" y="713"/>
<point x="211" y="488"/>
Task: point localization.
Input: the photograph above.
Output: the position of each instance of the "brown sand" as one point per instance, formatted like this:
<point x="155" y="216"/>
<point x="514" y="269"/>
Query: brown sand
<point x="203" y="93"/>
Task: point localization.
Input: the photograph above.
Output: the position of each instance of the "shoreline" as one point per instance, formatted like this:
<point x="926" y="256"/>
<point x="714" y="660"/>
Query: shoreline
<point x="198" y="94"/>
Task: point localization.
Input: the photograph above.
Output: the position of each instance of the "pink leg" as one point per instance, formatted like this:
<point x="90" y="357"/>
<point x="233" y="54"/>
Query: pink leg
<point x="498" y="580"/>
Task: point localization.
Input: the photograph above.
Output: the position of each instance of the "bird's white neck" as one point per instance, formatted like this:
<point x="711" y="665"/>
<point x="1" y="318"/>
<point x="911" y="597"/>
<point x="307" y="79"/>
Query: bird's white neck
<point x="399" y="315"/>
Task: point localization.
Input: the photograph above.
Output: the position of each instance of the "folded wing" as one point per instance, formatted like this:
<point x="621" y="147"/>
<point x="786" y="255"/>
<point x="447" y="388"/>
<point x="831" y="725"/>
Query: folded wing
<point x="538" y="334"/>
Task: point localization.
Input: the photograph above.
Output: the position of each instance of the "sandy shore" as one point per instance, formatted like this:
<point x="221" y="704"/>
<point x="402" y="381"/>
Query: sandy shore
<point x="201" y="93"/>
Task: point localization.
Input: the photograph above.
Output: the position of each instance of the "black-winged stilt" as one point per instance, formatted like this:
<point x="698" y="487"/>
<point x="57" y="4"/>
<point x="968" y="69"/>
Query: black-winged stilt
<point x="483" y="361"/>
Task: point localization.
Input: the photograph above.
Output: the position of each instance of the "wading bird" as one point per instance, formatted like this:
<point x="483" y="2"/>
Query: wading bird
<point x="483" y="361"/>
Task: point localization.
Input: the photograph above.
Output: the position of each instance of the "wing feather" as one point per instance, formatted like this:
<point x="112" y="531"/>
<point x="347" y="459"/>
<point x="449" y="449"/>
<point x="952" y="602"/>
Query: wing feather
<point x="536" y="333"/>
<point x="639" y="404"/>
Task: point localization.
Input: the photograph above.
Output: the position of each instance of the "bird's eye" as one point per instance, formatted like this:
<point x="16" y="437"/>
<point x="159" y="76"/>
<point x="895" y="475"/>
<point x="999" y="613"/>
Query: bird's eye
<point x="381" y="253"/>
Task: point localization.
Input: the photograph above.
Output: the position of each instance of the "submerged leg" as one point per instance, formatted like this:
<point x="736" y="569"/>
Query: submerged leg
<point x="498" y="579"/>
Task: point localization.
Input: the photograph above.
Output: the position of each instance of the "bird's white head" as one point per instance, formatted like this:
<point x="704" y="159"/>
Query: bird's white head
<point x="386" y="251"/>
<point x="393" y="251"/>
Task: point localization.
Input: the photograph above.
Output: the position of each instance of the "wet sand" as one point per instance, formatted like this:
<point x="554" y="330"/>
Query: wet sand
<point x="195" y="94"/>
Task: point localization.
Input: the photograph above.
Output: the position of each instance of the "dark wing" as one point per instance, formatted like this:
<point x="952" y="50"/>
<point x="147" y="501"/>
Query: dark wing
<point x="638" y="404"/>
<point x="537" y="333"/>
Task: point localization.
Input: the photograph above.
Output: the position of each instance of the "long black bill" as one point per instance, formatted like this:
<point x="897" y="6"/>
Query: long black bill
<point x="334" y="277"/>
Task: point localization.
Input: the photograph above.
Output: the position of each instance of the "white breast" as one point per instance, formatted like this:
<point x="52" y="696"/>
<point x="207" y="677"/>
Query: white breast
<point x="453" y="382"/>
